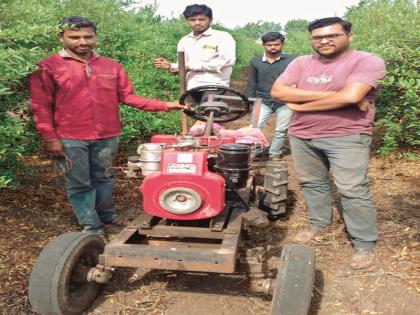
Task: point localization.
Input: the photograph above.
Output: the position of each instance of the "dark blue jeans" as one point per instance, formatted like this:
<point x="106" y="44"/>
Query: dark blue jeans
<point x="347" y="158"/>
<point x="89" y="181"/>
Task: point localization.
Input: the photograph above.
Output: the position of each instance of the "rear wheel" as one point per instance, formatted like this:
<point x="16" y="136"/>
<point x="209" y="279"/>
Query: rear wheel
<point x="273" y="200"/>
<point x="294" y="282"/>
<point x="58" y="282"/>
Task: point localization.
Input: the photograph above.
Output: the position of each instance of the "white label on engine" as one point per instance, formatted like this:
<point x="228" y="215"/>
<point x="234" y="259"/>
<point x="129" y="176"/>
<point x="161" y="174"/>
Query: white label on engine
<point x="184" y="158"/>
<point x="181" y="168"/>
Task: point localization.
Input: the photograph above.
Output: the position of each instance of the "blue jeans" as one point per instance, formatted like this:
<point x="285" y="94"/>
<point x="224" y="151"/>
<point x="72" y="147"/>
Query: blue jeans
<point x="89" y="181"/>
<point x="283" y="116"/>
<point x="347" y="158"/>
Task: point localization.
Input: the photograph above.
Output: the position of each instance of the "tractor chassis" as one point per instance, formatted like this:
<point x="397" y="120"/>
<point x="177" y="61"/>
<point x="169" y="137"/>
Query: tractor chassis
<point x="148" y="242"/>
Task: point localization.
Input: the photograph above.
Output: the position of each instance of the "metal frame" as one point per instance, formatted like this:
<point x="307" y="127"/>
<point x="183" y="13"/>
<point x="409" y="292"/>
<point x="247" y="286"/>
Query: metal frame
<point x="202" y="249"/>
<point x="152" y="242"/>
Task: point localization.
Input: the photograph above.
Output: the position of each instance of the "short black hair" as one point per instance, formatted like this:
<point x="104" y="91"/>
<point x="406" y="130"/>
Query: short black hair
<point x="330" y="21"/>
<point x="75" y="22"/>
<point x="272" y="36"/>
<point x="198" y="9"/>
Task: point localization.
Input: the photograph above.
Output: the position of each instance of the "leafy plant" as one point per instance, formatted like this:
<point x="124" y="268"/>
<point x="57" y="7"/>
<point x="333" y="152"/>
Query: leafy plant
<point x="390" y="29"/>
<point x="134" y="37"/>
<point x="256" y="30"/>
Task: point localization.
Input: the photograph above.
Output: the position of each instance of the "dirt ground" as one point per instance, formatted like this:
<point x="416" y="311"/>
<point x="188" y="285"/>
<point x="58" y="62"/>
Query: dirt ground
<point x="38" y="211"/>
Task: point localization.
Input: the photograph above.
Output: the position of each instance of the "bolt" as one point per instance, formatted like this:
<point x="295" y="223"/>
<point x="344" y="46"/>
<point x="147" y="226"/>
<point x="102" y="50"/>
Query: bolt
<point x="181" y="198"/>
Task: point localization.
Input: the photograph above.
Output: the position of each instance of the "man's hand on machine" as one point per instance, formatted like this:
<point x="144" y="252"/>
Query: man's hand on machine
<point x="176" y="106"/>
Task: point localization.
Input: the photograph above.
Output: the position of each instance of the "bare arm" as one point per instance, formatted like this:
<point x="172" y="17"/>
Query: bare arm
<point x="351" y="94"/>
<point x="284" y="92"/>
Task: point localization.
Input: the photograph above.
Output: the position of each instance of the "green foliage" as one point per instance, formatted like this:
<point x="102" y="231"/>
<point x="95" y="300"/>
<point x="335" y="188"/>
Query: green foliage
<point x="13" y="136"/>
<point x="297" y="37"/>
<point x="410" y="156"/>
<point x="256" y="30"/>
<point x="296" y="25"/>
<point x="139" y="125"/>
<point x="391" y="29"/>
<point x="134" y="37"/>
<point x="246" y="48"/>
<point x="297" y="43"/>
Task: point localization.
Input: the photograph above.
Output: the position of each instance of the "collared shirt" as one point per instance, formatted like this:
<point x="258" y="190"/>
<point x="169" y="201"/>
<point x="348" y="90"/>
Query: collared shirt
<point x="209" y="56"/>
<point x="262" y="74"/>
<point x="265" y="59"/>
<point x="72" y="99"/>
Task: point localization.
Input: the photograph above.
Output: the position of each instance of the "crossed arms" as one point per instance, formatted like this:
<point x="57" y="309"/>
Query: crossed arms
<point x="301" y="100"/>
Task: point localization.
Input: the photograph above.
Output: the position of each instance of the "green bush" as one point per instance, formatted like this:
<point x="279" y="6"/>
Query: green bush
<point x="28" y="33"/>
<point x="391" y="29"/>
<point x="297" y="37"/>
<point x="13" y="139"/>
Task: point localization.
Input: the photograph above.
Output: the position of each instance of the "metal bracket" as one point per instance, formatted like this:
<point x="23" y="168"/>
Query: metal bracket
<point x="99" y="274"/>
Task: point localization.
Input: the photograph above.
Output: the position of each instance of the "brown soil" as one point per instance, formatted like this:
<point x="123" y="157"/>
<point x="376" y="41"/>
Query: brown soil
<point x="38" y="211"/>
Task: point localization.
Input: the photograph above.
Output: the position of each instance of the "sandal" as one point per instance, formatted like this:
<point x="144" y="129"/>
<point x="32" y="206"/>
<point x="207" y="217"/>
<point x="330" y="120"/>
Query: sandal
<point x="362" y="258"/>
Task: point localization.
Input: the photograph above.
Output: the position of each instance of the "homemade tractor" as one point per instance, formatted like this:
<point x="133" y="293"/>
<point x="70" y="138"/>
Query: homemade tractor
<point x="199" y="205"/>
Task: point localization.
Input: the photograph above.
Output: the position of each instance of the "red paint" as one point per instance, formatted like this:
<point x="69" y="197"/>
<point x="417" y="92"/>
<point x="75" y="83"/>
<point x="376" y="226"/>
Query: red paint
<point x="210" y="186"/>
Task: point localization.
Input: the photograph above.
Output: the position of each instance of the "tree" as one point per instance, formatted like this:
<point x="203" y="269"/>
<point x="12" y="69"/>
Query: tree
<point x="297" y="37"/>
<point x="256" y="30"/>
<point x="132" y="35"/>
<point x="296" y="25"/>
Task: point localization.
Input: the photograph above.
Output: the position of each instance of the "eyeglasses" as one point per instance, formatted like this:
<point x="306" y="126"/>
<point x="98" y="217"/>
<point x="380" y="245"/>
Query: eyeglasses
<point x="329" y="37"/>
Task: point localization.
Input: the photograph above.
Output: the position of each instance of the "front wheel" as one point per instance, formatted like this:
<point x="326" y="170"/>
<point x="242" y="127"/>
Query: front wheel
<point x="58" y="283"/>
<point x="294" y="282"/>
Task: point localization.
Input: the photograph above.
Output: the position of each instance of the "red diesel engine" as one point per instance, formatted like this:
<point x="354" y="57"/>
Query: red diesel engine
<point x="184" y="189"/>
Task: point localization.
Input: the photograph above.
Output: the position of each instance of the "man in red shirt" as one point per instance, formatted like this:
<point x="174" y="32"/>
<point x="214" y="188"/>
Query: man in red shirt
<point x="75" y="97"/>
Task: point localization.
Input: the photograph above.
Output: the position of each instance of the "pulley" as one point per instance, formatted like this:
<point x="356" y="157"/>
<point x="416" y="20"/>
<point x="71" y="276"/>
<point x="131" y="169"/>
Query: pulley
<point x="180" y="200"/>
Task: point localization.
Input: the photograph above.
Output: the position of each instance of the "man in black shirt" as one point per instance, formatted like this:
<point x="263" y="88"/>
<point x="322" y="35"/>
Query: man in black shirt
<point x="263" y="71"/>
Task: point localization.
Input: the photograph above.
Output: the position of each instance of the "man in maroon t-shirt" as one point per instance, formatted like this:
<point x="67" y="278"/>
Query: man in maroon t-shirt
<point x="332" y="94"/>
<point x="74" y="98"/>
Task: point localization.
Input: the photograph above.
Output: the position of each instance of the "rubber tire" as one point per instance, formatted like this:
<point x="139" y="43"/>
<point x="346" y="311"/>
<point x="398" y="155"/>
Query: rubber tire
<point x="273" y="200"/>
<point x="295" y="280"/>
<point x="49" y="282"/>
